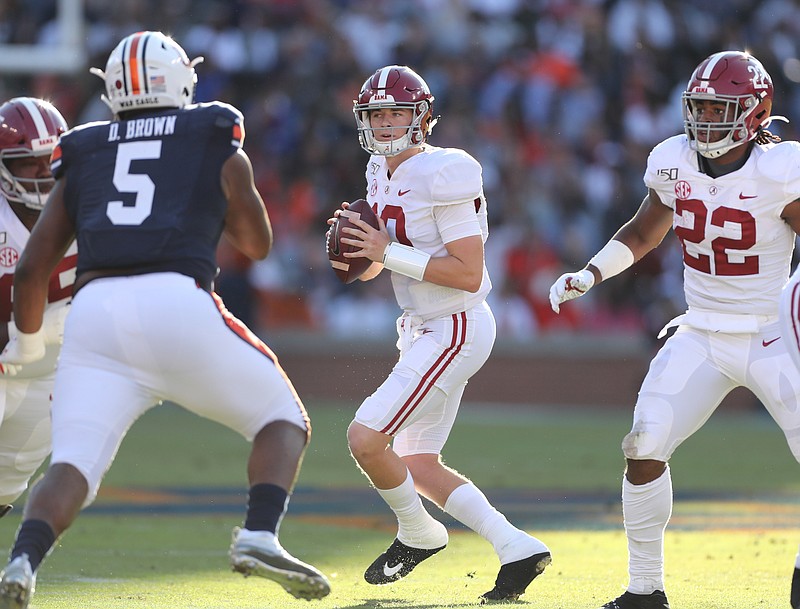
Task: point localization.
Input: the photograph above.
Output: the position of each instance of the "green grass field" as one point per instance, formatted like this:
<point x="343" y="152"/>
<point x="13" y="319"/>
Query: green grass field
<point x="729" y="548"/>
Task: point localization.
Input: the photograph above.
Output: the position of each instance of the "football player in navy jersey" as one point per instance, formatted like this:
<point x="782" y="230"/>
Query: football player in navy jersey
<point x="29" y="130"/>
<point x="147" y="197"/>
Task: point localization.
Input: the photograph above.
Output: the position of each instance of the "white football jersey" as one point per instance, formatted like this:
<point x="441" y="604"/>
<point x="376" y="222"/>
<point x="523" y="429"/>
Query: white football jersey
<point x="737" y="249"/>
<point x="14" y="236"/>
<point x="418" y="204"/>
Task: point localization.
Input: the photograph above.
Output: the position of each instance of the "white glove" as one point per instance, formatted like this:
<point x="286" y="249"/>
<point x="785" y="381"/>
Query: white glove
<point x="569" y="286"/>
<point x="22" y="348"/>
<point x="9" y="369"/>
<point x="53" y="324"/>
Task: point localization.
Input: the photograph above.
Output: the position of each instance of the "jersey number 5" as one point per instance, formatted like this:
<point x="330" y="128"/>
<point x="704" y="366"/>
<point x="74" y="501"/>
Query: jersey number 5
<point x="141" y="184"/>
<point x="720" y="245"/>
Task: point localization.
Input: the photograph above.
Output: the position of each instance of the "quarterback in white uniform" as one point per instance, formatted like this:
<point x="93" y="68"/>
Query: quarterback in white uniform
<point x="29" y="130"/>
<point x="433" y="225"/>
<point x="731" y="194"/>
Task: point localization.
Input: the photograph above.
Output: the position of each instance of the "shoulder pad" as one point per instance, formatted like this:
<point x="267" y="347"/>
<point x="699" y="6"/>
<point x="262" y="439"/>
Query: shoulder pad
<point x="780" y="162"/>
<point x="458" y="177"/>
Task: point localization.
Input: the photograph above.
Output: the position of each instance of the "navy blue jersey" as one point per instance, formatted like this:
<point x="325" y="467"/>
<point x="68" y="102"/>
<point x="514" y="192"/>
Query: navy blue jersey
<point x="145" y="194"/>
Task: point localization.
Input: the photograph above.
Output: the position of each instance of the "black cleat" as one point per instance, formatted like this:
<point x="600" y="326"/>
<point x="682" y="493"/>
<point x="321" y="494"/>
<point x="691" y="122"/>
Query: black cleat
<point x="396" y="562"/>
<point x="795" y="597"/>
<point x="656" y="600"/>
<point x="514" y="577"/>
<point x="5" y="509"/>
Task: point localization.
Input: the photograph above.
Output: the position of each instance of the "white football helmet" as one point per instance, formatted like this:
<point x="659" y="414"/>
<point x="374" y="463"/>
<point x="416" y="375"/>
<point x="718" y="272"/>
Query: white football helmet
<point x="29" y="127"/>
<point x="148" y="70"/>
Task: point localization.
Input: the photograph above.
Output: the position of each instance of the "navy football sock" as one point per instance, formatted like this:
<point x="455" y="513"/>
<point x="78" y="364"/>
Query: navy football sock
<point x="265" y="507"/>
<point x="35" y="538"/>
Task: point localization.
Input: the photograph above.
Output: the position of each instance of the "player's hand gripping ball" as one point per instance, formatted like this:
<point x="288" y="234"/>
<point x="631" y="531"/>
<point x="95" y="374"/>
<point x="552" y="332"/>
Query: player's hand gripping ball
<point x="349" y="269"/>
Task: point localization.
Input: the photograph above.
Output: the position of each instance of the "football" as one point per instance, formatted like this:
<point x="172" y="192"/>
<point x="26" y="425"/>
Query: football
<point x="348" y="269"/>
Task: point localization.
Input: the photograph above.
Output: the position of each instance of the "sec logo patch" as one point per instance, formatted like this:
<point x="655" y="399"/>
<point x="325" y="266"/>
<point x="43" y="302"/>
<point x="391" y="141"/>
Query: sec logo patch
<point x="683" y="190"/>
<point x="8" y="256"/>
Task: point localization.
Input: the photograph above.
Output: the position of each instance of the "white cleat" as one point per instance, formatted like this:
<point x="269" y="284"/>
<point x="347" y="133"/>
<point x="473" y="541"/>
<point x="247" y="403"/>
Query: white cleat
<point x="259" y="553"/>
<point x="17" y="582"/>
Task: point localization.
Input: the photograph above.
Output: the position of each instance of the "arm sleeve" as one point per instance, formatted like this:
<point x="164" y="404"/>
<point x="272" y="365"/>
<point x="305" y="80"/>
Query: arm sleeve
<point x="456" y="221"/>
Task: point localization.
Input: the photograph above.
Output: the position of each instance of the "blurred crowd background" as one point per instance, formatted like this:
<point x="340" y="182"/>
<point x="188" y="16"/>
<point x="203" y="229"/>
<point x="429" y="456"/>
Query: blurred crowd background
<point x="560" y="100"/>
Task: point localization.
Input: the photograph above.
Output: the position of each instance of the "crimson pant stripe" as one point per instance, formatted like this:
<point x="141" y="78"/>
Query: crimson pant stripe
<point x="794" y="312"/>
<point x="434" y="372"/>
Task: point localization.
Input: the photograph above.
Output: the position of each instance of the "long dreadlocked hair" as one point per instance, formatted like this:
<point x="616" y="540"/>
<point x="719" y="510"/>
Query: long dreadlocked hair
<point x="764" y="136"/>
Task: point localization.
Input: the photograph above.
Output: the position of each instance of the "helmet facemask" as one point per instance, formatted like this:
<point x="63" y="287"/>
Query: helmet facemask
<point x="32" y="192"/>
<point x="413" y="135"/>
<point x="741" y="113"/>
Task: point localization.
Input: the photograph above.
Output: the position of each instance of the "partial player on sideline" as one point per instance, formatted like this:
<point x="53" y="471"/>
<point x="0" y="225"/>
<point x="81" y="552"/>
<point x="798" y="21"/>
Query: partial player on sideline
<point x="148" y="196"/>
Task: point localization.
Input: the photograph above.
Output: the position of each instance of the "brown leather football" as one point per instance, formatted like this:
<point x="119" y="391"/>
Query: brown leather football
<point x="348" y="269"/>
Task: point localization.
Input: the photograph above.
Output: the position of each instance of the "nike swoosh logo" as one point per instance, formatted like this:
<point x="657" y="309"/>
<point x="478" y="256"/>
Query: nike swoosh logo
<point x="744" y="196"/>
<point x="391" y="571"/>
<point x="400" y="193"/>
<point x="767" y="343"/>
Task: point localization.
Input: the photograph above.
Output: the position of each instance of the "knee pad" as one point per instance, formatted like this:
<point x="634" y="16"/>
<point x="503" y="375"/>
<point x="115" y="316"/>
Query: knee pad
<point x="650" y="436"/>
<point x="639" y="444"/>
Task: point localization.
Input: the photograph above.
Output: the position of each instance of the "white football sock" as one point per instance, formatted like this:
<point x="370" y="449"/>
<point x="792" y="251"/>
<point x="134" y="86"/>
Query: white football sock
<point x="415" y="526"/>
<point x="469" y="505"/>
<point x="646" y="509"/>
<point x="797" y="559"/>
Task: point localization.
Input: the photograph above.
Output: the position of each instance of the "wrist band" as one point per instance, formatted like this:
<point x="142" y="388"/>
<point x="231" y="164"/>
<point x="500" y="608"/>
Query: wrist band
<point x="405" y="260"/>
<point x="614" y="258"/>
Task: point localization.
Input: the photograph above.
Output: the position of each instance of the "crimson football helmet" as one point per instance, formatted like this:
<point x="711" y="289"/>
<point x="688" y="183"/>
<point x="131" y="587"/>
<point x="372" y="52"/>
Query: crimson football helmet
<point x="148" y="70"/>
<point x="29" y="127"/>
<point x="740" y="82"/>
<point x="394" y="87"/>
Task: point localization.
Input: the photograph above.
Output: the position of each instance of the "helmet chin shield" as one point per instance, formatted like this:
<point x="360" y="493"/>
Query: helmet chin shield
<point x="148" y="70"/>
<point x="394" y="87"/>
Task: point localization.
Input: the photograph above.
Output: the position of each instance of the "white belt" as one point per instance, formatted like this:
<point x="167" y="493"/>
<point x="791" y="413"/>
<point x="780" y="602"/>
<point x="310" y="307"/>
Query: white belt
<point x="720" y="322"/>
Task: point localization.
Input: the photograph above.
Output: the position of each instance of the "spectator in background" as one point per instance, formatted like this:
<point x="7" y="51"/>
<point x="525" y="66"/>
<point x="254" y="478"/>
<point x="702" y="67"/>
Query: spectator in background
<point x="518" y="79"/>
